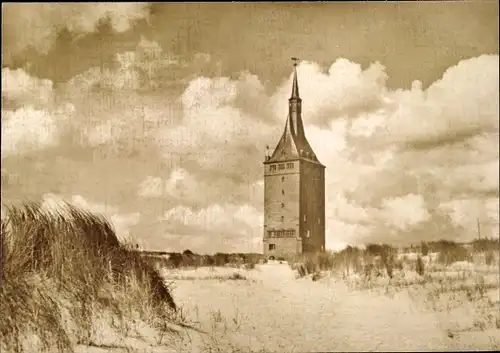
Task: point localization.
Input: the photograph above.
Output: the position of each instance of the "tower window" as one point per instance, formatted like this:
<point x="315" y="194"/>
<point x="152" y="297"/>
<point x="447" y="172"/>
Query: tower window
<point x="283" y="233"/>
<point x="282" y="218"/>
<point x="272" y="246"/>
<point x="282" y="205"/>
<point x="282" y="178"/>
<point x="282" y="192"/>
<point x="289" y="166"/>
<point x="281" y="166"/>
<point x="272" y="168"/>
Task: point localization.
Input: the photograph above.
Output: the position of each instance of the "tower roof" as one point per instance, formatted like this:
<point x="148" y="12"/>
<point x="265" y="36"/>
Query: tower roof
<point x="293" y="143"/>
<point x="286" y="148"/>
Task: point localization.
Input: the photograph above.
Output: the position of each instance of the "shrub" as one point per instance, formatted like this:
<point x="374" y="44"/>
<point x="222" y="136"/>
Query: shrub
<point x="489" y="257"/>
<point x="316" y="276"/>
<point x="250" y="265"/>
<point x="424" y="248"/>
<point x="175" y="259"/>
<point x="221" y="259"/>
<point x="385" y="253"/>
<point x="309" y="263"/>
<point x="252" y="259"/>
<point x="301" y="270"/>
<point x="69" y="259"/>
<point x="237" y="276"/>
<point x="208" y="260"/>
<point x="485" y="244"/>
<point x="190" y="259"/>
<point x="388" y="260"/>
<point x="349" y="259"/>
<point x="451" y="252"/>
<point x="420" y="267"/>
<point x="374" y="249"/>
<point x="398" y="264"/>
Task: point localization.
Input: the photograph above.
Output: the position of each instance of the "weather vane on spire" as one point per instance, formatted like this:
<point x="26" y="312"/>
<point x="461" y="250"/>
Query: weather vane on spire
<point x="295" y="60"/>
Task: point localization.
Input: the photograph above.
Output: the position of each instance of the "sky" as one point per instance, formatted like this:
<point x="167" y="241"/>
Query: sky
<point x="158" y="115"/>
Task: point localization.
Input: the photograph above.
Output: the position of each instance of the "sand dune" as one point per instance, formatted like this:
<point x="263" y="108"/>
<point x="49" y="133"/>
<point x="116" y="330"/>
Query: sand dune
<point x="273" y="311"/>
<point x="281" y="313"/>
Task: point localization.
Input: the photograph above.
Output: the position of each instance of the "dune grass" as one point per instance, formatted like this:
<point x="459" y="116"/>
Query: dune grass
<point x="62" y="267"/>
<point x="371" y="261"/>
<point x="384" y="260"/>
<point x="458" y="281"/>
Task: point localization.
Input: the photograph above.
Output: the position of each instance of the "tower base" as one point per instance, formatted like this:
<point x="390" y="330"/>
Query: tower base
<point x="282" y="248"/>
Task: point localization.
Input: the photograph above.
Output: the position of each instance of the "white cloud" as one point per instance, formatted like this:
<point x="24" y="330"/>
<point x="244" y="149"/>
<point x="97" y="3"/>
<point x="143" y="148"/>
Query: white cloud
<point x="179" y="185"/>
<point x="22" y="88"/>
<point x="80" y="201"/>
<point x="215" y="133"/>
<point x="122" y="224"/>
<point x="405" y="212"/>
<point x="151" y="187"/>
<point x="109" y="131"/>
<point x="144" y="69"/>
<point x="202" y="57"/>
<point x="37" y="25"/>
<point x="30" y="120"/>
<point x="339" y="233"/>
<point x="223" y="227"/>
<point x="27" y="129"/>
<point x="348" y="212"/>
<point x="480" y="177"/>
<point x="464" y="100"/>
<point x="467" y="212"/>
<point x="123" y="78"/>
<point x="344" y="89"/>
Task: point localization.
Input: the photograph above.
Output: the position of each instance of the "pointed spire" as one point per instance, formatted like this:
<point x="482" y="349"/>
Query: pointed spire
<point x="295" y="86"/>
<point x="293" y="143"/>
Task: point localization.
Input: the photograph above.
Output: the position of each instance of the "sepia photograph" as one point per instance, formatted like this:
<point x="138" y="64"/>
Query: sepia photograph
<point x="250" y="177"/>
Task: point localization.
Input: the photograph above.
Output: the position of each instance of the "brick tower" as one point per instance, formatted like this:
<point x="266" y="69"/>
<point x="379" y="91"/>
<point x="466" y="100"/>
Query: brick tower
<point x="294" y="190"/>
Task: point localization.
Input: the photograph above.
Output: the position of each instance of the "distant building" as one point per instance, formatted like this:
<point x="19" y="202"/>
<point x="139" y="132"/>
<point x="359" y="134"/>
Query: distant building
<point x="294" y="190"/>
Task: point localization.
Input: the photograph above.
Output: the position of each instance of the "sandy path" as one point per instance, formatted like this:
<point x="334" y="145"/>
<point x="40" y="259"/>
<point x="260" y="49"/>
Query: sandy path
<point x="277" y="312"/>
